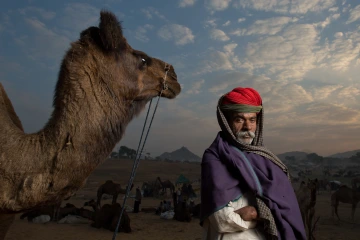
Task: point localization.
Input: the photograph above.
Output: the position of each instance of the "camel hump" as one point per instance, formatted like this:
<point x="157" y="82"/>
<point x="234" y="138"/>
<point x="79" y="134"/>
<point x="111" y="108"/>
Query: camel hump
<point x="108" y="181"/>
<point x="7" y="108"/>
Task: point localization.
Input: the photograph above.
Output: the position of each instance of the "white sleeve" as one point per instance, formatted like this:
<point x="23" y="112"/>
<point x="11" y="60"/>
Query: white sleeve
<point x="226" y="220"/>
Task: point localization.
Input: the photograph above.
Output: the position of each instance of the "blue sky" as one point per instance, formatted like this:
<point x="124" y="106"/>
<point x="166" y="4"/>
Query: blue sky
<point x="301" y="55"/>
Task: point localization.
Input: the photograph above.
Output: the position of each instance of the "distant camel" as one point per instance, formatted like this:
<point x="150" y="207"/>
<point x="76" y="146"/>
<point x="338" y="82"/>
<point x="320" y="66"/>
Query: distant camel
<point x="151" y="189"/>
<point x="103" y="83"/>
<point x="108" y="216"/>
<point x="306" y="196"/>
<point x="345" y="195"/>
<point x="110" y="188"/>
<point x="166" y="184"/>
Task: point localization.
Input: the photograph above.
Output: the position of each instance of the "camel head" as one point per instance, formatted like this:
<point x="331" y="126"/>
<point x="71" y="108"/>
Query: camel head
<point x="312" y="184"/>
<point x="102" y="62"/>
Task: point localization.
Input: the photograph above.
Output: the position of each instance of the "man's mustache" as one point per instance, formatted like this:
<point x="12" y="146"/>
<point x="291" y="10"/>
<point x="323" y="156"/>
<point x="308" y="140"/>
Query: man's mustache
<point x="242" y="134"/>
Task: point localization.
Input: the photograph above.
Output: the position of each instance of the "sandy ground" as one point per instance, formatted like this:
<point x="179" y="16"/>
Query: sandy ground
<point x="151" y="226"/>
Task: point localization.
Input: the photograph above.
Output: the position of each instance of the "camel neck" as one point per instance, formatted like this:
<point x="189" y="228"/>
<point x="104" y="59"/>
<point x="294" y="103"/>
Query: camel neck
<point x="96" y="137"/>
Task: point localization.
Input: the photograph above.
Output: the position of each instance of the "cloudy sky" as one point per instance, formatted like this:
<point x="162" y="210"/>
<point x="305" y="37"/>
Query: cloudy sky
<point x="301" y="55"/>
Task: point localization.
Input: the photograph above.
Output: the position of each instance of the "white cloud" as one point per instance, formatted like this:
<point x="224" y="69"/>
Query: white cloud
<point x="327" y="21"/>
<point x="324" y="92"/>
<point x="286" y="6"/>
<point x="217" y="5"/>
<point x="141" y="31"/>
<point x="288" y="56"/>
<point x="333" y="9"/>
<point x="195" y="87"/>
<point x="44" y="36"/>
<point x="210" y="23"/>
<point x="219" y="35"/>
<point x="227" y="23"/>
<point x="241" y="20"/>
<point x="180" y="34"/>
<point x="220" y="60"/>
<point x="186" y="3"/>
<point x="354" y="14"/>
<point x="270" y="26"/>
<point x="79" y="16"/>
<point x="150" y="12"/>
<point x="342" y="51"/>
<point x="47" y="15"/>
<point x="338" y="35"/>
<point x="350" y="92"/>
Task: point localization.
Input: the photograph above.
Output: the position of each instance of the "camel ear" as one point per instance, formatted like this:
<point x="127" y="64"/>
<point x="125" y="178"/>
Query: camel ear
<point x="111" y="32"/>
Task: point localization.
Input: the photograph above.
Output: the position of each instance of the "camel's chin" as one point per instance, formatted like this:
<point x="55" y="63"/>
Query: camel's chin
<point x="172" y="91"/>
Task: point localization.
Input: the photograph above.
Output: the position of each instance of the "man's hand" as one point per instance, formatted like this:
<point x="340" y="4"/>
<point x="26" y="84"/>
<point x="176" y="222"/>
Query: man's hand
<point x="247" y="213"/>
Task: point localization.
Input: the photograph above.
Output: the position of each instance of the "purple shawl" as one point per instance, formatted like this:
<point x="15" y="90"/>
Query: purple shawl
<point x="225" y="173"/>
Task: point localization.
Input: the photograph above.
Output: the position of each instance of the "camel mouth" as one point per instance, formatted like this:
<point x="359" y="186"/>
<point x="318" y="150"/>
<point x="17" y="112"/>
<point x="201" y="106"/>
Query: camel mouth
<point x="172" y="89"/>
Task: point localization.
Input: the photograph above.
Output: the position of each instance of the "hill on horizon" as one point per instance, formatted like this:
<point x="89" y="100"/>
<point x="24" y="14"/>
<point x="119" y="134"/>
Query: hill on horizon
<point x="297" y="154"/>
<point x="182" y="154"/>
<point x="346" y="154"/>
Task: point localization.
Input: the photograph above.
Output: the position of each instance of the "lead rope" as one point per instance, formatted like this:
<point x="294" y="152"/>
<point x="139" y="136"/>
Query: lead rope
<point x="138" y="153"/>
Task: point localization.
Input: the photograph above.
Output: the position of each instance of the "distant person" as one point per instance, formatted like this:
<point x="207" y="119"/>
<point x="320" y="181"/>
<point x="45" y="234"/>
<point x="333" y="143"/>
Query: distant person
<point x="137" y="200"/>
<point x="174" y="196"/>
<point x="245" y="188"/>
<point x="178" y="195"/>
<point x="160" y="208"/>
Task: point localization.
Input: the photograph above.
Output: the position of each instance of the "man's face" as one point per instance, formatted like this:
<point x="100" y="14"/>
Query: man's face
<point x="243" y="126"/>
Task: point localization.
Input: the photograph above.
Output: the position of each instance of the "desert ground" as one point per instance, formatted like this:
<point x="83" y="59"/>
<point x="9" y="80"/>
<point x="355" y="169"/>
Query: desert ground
<point x="151" y="226"/>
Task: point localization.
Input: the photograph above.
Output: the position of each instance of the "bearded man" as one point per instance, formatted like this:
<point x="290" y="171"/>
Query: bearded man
<point x="245" y="189"/>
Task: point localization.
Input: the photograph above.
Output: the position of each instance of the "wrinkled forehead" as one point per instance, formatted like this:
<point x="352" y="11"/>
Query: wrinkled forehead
<point x="246" y="116"/>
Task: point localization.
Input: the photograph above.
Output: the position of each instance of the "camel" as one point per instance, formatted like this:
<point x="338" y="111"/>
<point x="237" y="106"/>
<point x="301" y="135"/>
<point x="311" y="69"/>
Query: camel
<point x="110" y="188"/>
<point x="151" y="189"/>
<point x="166" y="184"/>
<point x="306" y="196"/>
<point x="103" y="83"/>
<point x="108" y="215"/>
<point x="345" y="195"/>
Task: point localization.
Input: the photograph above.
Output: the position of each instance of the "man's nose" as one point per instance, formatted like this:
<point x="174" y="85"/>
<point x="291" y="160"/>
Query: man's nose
<point x="247" y="126"/>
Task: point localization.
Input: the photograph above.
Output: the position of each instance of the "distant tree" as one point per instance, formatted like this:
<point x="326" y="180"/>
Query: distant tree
<point x="313" y="157"/>
<point x="355" y="158"/>
<point x="290" y="158"/>
<point x="114" y="155"/>
<point x="127" y="152"/>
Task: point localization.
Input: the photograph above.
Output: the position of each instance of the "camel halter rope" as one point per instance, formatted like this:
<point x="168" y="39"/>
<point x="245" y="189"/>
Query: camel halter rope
<point x="138" y="153"/>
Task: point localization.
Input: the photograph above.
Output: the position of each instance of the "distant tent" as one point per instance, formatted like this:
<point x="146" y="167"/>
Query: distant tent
<point x="182" y="179"/>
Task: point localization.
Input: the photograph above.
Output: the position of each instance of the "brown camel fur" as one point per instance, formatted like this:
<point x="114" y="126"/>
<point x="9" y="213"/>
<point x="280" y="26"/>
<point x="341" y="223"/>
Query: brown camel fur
<point x="110" y="188"/>
<point x="166" y="184"/>
<point x="306" y="196"/>
<point x="103" y="83"/>
<point x="108" y="216"/>
<point x="345" y="195"/>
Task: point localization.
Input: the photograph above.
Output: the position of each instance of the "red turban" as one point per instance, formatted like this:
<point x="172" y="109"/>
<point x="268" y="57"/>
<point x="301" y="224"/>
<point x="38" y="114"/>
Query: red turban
<point x="239" y="95"/>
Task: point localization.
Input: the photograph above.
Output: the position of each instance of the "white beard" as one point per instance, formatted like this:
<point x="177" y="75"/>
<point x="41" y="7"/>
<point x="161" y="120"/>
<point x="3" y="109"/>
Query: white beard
<point x="245" y="137"/>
